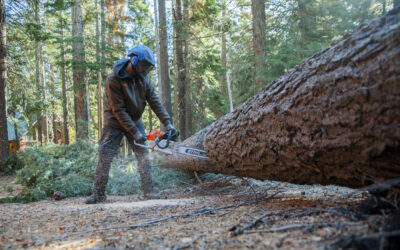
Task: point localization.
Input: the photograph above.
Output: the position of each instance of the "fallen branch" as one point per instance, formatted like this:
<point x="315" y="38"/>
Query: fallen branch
<point x="299" y="214"/>
<point x="314" y="210"/>
<point x="123" y="215"/>
<point x="382" y="234"/>
<point x="256" y="221"/>
<point x="197" y="177"/>
<point x="309" y="225"/>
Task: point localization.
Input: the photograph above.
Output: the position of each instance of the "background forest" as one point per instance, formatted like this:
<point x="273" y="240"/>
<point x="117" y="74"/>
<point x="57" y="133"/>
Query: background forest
<point x="59" y="53"/>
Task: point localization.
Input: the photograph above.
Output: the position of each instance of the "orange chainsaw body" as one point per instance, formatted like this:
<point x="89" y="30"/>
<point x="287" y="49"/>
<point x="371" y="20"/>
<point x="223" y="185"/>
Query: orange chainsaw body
<point x="154" y="134"/>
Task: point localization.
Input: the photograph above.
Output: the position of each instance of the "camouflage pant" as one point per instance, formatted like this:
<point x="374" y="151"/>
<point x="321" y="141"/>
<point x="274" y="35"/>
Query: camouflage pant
<point x="109" y="146"/>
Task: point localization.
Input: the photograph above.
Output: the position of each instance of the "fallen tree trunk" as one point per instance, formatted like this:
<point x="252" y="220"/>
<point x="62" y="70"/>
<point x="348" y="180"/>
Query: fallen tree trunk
<point x="334" y="119"/>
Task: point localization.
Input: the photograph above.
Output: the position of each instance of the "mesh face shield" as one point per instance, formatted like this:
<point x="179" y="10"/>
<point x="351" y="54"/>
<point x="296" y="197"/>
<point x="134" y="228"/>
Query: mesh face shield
<point x="143" y="53"/>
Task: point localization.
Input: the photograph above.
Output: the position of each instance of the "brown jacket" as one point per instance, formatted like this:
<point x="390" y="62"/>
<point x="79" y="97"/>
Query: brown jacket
<point x="126" y="99"/>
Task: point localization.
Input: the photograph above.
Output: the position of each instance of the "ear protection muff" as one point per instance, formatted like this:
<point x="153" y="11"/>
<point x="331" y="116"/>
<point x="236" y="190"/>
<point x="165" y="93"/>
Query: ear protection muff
<point x="135" y="60"/>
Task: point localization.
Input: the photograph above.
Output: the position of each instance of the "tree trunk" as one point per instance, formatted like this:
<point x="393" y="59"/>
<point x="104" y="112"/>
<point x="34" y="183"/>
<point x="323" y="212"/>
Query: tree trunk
<point x="99" y="106"/>
<point x="37" y="74"/>
<point x="99" y="78"/>
<point x="166" y="86"/>
<point x="258" y="12"/>
<point x="103" y="40"/>
<point x="180" y="79"/>
<point x="4" y="151"/>
<point x="45" y="129"/>
<point x="333" y="119"/>
<point x="88" y="109"/>
<point x="228" y="83"/>
<point x="110" y="17"/>
<point x="121" y="27"/>
<point x="188" y="89"/>
<point x="65" y="132"/>
<point x="176" y="92"/>
<point x="53" y="105"/>
<point x="157" y="45"/>
<point x="81" y="114"/>
<point x="223" y="82"/>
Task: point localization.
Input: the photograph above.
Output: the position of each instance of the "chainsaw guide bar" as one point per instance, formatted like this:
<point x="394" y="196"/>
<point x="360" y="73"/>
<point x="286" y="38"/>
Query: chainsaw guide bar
<point x="170" y="150"/>
<point x="193" y="152"/>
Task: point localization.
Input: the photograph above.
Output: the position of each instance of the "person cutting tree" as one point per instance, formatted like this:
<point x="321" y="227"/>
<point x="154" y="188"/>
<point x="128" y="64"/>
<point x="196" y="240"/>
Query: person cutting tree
<point x="128" y="88"/>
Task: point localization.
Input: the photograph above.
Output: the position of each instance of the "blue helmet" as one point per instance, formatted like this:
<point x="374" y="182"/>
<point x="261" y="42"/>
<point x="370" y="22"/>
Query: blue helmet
<point x="142" y="52"/>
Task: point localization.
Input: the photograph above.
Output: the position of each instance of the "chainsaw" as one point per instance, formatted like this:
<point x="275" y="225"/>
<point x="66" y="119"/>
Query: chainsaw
<point x="165" y="143"/>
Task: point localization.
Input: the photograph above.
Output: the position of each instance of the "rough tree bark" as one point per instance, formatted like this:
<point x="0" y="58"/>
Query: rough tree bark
<point x="258" y="12"/>
<point x="180" y="79"/>
<point x="333" y="119"/>
<point x="99" y="78"/>
<point x="65" y="124"/>
<point x="4" y="151"/>
<point x="164" y="69"/>
<point x="37" y="74"/>
<point x="188" y="92"/>
<point x="157" y="47"/>
<point x="53" y="105"/>
<point x="79" y="73"/>
<point x="222" y="80"/>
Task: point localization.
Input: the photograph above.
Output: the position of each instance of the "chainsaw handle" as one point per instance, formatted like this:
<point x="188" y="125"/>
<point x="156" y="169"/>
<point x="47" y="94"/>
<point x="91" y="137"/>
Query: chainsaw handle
<point x="168" y="138"/>
<point x="141" y="145"/>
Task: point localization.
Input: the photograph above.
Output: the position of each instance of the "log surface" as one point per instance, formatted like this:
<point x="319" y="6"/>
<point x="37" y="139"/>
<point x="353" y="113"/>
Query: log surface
<point x="334" y="119"/>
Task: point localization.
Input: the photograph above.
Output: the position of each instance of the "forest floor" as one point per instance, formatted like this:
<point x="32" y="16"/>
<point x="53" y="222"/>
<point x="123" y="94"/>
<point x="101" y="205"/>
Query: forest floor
<point x="220" y="213"/>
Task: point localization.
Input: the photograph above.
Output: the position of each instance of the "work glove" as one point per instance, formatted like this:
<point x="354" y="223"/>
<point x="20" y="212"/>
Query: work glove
<point x="139" y="137"/>
<point x="171" y="128"/>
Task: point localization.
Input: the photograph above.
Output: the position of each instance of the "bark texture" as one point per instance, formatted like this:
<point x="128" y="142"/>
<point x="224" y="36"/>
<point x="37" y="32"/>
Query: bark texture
<point x="79" y="73"/>
<point x="164" y="69"/>
<point x="181" y="74"/>
<point x="334" y="119"/>
<point x="65" y="124"/>
<point x="258" y="12"/>
<point x="53" y="106"/>
<point x="37" y="73"/>
<point x="4" y="151"/>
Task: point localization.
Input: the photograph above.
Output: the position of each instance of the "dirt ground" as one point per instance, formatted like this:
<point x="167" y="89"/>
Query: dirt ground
<point x="211" y="215"/>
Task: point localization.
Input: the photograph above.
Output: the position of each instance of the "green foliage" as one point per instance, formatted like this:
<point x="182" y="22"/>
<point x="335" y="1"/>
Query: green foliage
<point x="6" y="188"/>
<point x="125" y="178"/>
<point x="70" y="169"/>
<point x="10" y="165"/>
<point x="295" y="30"/>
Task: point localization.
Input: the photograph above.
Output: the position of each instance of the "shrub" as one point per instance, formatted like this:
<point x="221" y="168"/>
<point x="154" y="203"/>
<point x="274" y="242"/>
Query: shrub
<point x="10" y="165"/>
<point x="70" y="169"/>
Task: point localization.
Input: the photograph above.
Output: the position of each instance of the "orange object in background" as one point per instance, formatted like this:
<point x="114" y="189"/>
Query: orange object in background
<point x="13" y="148"/>
<point x="153" y="133"/>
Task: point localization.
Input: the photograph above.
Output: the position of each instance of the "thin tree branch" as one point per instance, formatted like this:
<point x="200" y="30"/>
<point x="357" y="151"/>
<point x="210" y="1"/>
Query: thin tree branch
<point x="309" y="225"/>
